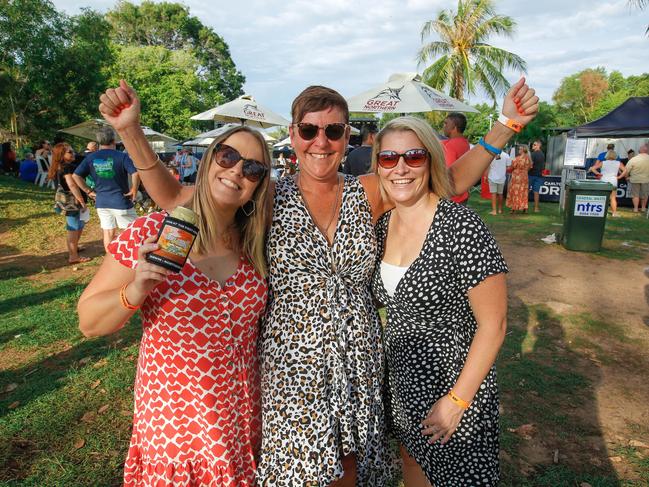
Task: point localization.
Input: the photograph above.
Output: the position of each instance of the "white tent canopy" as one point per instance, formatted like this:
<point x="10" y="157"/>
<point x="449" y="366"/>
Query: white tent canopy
<point x="206" y="138"/>
<point x="88" y="130"/>
<point x="405" y="93"/>
<point x="243" y="110"/>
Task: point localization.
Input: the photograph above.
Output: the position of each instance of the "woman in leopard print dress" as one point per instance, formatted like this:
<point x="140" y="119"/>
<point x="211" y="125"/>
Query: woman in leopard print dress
<point x="323" y="422"/>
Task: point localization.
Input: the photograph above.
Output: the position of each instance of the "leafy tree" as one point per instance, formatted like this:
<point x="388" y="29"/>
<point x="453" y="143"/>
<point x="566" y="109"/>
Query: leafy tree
<point x="466" y="62"/>
<point x="478" y="124"/>
<point x="51" y="65"/>
<point x="171" y="26"/>
<point x="578" y="94"/>
<point x="167" y="84"/>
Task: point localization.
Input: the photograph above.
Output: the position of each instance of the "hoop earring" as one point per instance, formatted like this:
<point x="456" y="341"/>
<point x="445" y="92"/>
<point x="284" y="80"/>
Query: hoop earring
<point x="250" y="211"/>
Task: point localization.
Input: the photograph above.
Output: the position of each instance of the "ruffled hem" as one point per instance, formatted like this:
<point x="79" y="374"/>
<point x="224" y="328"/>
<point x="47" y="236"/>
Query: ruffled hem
<point x="192" y="473"/>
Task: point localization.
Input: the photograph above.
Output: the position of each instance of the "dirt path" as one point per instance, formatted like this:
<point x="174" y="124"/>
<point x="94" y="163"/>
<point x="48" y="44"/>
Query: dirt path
<point x="617" y="293"/>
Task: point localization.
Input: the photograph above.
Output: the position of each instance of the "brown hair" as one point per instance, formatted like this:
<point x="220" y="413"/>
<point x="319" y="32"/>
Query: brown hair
<point x="438" y="181"/>
<point x="316" y="98"/>
<point x="252" y="229"/>
<point x="58" y="153"/>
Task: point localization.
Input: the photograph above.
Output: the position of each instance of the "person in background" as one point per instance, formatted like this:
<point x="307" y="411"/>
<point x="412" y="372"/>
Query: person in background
<point x="190" y="166"/>
<point x="43" y="149"/>
<point x="609" y="171"/>
<point x="9" y="164"/>
<point x="455" y="146"/>
<point x="602" y="155"/>
<point x="536" y="172"/>
<point x="440" y="352"/>
<point x="61" y="171"/>
<point x="28" y="169"/>
<point x="630" y="154"/>
<point x="637" y="173"/>
<point x="359" y="160"/>
<point x="518" y="189"/>
<point x="197" y="391"/>
<point x="110" y="169"/>
<point x="497" y="177"/>
<point x="91" y="147"/>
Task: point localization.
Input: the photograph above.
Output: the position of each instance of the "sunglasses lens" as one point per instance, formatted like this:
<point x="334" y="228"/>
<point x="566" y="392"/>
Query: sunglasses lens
<point x="307" y="131"/>
<point x="253" y="170"/>
<point x="227" y="157"/>
<point x="415" y="157"/>
<point x="334" y="131"/>
<point x="387" y="159"/>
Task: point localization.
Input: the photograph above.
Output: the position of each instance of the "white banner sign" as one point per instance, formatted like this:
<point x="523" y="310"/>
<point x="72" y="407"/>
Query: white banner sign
<point x="590" y="205"/>
<point x="575" y="154"/>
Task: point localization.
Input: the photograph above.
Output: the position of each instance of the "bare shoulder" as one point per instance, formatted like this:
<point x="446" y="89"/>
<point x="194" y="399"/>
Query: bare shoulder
<point x="378" y="204"/>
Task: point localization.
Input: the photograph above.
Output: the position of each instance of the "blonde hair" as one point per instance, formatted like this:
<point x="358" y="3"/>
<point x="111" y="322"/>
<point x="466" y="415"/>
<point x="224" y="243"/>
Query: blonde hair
<point x="252" y="229"/>
<point x="438" y="181"/>
<point x="610" y="155"/>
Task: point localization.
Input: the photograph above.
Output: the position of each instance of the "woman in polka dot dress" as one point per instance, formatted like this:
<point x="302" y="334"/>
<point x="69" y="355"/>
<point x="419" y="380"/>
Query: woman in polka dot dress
<point x="442" y="280"/>
<point x="197" y="411"/>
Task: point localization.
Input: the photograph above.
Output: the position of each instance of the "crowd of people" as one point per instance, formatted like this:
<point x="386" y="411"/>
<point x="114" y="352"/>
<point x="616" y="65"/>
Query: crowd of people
<point x="282" y="372"/>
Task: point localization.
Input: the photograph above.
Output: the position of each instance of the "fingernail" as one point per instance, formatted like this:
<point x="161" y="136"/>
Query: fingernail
<point x="517" y="100"/>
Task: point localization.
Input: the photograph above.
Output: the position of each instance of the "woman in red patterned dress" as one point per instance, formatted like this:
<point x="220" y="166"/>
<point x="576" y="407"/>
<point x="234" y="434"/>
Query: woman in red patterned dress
<point x="197" y="391"/>
<point x="518" y="188"/>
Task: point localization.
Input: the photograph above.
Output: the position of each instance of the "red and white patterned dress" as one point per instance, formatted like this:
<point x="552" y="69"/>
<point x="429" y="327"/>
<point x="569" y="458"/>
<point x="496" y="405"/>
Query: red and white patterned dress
<point x="197" y="390"/>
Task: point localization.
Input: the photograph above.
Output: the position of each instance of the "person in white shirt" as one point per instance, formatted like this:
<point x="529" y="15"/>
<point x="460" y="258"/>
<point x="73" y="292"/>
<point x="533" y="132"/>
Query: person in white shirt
<point x="609" y="169"/>
<point x="497" y="177"/>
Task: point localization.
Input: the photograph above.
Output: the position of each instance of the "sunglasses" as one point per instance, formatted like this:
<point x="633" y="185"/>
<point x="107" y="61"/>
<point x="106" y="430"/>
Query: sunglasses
<point x="228" y="157"/>
<point x="69" y="151"/>
<point x="333" y="131"/>
<point x="388" y="159"/>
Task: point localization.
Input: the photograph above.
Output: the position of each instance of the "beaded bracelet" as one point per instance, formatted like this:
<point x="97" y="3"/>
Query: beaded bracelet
<point x="460" y="402"/>
<point x="123" y="300"/>
<point x="489" y="148"/>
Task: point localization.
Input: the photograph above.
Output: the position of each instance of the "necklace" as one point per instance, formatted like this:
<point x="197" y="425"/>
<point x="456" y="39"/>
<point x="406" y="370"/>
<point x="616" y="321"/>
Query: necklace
<point x="334" y="207"/>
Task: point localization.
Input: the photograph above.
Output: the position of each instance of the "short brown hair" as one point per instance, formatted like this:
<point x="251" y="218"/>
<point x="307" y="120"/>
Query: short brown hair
<point x="316" y="98"/>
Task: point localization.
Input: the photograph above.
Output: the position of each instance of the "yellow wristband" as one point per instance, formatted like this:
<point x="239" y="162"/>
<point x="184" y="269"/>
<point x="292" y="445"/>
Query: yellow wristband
<point x="460" y="402"/>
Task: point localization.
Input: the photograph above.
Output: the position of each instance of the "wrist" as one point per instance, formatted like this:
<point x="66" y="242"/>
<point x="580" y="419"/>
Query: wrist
<point x="510" y="123"/>
<point x="131" y="297"/>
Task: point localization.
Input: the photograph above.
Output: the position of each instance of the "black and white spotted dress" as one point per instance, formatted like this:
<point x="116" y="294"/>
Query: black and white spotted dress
<point x="321" y="354"/>
<point x="429" y="330"/>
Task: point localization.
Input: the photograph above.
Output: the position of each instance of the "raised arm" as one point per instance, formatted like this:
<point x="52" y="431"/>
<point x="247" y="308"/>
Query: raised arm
<point x="520" y="105"/>
<point x="121" y="108"/>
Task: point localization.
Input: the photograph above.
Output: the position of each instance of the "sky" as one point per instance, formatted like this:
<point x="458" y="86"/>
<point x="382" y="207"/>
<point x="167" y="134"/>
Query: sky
<point x="283" y="46"/>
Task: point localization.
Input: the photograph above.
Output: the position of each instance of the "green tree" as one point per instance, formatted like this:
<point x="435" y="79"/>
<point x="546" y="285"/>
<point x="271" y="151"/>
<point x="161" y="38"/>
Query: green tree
<point x="478" y="124"/>
<point x="578" y="94"/>
<point x="466" y="62"/>
<point x="167" y="84"/>
<point x="51" y="66"/>
<point x="171" y="26"/>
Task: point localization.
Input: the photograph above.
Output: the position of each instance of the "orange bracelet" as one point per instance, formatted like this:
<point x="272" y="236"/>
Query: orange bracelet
<point x="512" y="124"/>
<point x="123" y="300"/>
<point x="460" y="402"/>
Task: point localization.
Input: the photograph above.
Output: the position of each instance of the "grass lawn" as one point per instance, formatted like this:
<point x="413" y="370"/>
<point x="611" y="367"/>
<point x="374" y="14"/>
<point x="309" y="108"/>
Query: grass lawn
<point x="66" y="401"/>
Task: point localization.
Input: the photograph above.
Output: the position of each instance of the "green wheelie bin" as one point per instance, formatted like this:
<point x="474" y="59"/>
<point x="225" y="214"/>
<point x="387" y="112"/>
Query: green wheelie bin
<point x="584" y="216"/>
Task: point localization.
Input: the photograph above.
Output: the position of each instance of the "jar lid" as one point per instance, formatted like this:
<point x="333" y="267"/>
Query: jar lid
<point x="184" y="214"/>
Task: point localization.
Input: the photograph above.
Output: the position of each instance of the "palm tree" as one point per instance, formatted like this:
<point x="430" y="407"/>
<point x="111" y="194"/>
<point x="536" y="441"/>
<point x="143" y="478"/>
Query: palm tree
<point x="466" y="61"/>
<point x="641" y="5"/>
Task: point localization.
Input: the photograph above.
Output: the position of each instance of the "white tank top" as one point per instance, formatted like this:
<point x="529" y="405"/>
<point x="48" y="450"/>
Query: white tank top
<point x="391" y="275"/>
<point x="609" y="171"/>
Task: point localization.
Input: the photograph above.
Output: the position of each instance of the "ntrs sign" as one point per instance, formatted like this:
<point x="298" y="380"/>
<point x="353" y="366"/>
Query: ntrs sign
<point x="590" y="205"/>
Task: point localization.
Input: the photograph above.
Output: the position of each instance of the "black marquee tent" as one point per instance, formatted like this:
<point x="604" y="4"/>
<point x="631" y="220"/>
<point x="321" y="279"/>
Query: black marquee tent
<point x="630" y="119"/>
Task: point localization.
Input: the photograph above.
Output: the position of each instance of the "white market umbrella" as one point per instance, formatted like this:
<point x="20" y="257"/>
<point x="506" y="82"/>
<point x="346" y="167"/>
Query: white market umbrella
<point x="206" y="138"/>
<point x="88" y="130"/>
<point x="405" y="93"/>
<point x="243" y="110"/>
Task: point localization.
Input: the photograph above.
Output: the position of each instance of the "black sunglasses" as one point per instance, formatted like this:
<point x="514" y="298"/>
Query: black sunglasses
<point x="388" y="159"/>
<point x="228" y="157"/>
<point x="333" y="131"/>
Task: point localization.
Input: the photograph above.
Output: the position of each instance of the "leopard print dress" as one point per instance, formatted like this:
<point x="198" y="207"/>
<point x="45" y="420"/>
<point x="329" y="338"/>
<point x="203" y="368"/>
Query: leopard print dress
<point x="322" y="362"/>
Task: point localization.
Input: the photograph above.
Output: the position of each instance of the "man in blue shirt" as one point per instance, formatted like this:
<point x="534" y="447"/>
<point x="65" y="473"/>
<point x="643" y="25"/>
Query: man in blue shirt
<point x="110" y="169"/>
